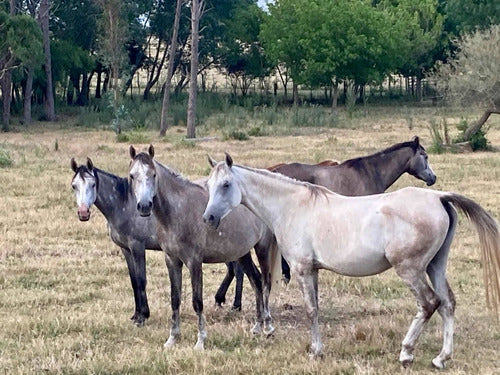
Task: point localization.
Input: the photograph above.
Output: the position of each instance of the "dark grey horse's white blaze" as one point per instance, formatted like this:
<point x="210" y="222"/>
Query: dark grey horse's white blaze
<point x="178" y="205"/>
<point x="410" y="229"/>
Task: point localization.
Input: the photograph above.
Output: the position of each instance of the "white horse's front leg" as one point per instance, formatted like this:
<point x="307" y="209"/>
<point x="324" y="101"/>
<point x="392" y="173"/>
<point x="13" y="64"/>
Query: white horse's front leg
<point x="308" y="280"/>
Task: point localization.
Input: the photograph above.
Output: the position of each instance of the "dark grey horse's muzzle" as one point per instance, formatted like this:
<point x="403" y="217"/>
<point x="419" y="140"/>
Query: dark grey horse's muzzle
<point x="144" y="208"/>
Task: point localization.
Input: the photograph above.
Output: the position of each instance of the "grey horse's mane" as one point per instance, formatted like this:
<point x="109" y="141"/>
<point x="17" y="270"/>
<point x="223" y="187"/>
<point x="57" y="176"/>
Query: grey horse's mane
<point x="315" y="190"/>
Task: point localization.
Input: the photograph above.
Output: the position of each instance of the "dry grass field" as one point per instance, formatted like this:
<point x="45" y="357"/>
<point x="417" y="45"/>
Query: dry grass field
<point x="65" y="295"/>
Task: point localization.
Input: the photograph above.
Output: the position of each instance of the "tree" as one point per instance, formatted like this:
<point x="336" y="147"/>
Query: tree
<point x="170" y="70"/>
<point x="472" y="76"/>
<point x="112" y="50"/>
<point x="49" y="92"/>
<point x="196" y="12"/>
<point x="467" y="15"/>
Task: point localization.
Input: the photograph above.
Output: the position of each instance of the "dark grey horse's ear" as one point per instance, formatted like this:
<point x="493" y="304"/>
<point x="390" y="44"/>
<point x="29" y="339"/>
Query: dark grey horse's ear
<point x="74" y="166"/>
<point x="416" y="140"/>
<point x="90" y="165"/>
<point x="151" y="151"/>
<point x="132" y="151"/>
<point x="211" y="161"/>
<point x="229" y="160"/>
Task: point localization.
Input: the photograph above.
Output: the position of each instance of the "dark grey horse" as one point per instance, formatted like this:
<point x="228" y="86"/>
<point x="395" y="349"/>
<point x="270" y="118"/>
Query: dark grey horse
<point x="178" y="205"/>
<point x="367" y="175"/>
<point x="131" y="232"/>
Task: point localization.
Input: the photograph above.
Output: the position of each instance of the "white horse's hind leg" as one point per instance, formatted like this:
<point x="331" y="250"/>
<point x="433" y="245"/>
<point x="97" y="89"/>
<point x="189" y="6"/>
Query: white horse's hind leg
<point x="437" y="274"/>
<point x="308" y="281"/>
<point x="427" y="302"/>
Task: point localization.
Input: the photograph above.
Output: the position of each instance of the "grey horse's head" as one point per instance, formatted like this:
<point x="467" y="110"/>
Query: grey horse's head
<point x="142" y="178"/>
<point x="419" y="164"/>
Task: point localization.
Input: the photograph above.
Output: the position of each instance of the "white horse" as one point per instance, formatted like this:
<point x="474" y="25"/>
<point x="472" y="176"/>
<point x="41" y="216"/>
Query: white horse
<point x="410" y="230"/>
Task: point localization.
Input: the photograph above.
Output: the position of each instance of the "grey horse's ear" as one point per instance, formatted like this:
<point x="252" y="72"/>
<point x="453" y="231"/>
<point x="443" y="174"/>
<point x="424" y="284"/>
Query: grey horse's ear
<point x="211" y="161"/>
<point x="229" y="160"/>
<point x="416" y="140"/>
<point x="74" y="166"/>
<point x="151" y="151"/>
<point x="90" y="165"/>
<point x="132" y="151"/>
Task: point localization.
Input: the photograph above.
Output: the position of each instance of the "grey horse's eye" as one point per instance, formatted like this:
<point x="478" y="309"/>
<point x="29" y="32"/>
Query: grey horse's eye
<point x="225" y="185"/>
<point x="93" y="185"/>
<point x="131" y="177"/>
<point x="73" y="187"/>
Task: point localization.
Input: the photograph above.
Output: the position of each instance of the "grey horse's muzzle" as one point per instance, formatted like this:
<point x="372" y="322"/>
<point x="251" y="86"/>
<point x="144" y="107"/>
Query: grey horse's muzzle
<point x="144" y="208"/>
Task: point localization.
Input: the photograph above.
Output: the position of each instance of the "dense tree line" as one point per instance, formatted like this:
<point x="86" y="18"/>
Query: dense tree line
<point x="59" y="47"/>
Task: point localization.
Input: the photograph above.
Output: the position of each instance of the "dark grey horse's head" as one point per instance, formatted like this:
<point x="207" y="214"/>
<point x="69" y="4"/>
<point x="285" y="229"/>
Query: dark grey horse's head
<point x="142" y="175"/>
<point x="84" y="184"/>
<point x="419" y="164"/>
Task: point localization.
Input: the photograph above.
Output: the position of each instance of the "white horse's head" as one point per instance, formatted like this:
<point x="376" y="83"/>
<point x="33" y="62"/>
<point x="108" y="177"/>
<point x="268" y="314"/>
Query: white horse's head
<point x="224" y="192"/>
<point x="142" y="178"/>
<point x="84" y="184"/>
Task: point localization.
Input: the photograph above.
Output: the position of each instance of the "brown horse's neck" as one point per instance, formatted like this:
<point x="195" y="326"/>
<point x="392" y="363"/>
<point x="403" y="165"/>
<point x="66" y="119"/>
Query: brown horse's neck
<point x="385" y="167"/>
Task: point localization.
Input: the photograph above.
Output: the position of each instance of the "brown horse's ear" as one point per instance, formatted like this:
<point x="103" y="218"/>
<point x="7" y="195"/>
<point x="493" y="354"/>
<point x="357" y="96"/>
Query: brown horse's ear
<point x="211" y="161"/>
<point x="229" y="160"/>
<point x="151" y="151"/>
<point x="416" y="140"/>
<point x="132" y="151"/>
<point x="90" y="165"/>
<point x="74" y="166"/>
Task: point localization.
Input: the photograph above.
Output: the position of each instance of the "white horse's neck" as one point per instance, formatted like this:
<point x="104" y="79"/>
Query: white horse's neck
<point x="268" y="195"/>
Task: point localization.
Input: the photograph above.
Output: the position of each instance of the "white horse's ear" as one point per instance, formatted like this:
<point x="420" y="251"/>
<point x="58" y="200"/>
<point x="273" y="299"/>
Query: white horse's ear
<point x="416" y="140"/>
<point x="151" y="151"/>
<point x="132" y="151"/>
<point x="211" y="161"/>
<point x="90" y="165"/>
<point x="74" y="166"/>
<point x="229" y="160"/>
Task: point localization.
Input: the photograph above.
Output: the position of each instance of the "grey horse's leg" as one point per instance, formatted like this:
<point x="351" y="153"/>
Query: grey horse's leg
<point x="437" y="274"/>
<point x="175" y="274"/>
<point x="427" y="301"/>
<point x="220" y="296"/>
<point x="254" y="277"/>
<point x="139" y="255"/>
<point x="263" y="255"/>
<point x="307" y="278"/>
<point x="136" y="318"/>
<point x="238" y="290"/>
<point x="195" y="269"/>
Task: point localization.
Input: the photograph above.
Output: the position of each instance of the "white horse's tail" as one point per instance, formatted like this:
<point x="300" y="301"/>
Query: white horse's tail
<point x="489" y="239"/>
<point x="275" y="266"/>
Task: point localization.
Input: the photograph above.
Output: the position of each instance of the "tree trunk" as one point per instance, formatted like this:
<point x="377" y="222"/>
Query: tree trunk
<point x="6" y="79"/>
<point x="49" y="90"/>
<point x="170" y="71"/>
<point x="98" y="85"/>
<point x="418" y="89"/>
<point x="295" y="90"/>
<point x="28" y="88"/>
<point x="196" y="7"/>
<point x="474" y="128"/>
<point x="335" y="95"/>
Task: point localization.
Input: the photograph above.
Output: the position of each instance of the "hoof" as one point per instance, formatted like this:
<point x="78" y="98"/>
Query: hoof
<point x="406" y="359"/>
<point x="269" y="330"/>
<point x="236" y="308"/>
<point x="199" y="347"/>
<point x="140" y="322"/>
<point x="438" y="363"/>
<point x="257" y="329"/>
<point x="316" y="356"/>
<point x="170" y="343"/>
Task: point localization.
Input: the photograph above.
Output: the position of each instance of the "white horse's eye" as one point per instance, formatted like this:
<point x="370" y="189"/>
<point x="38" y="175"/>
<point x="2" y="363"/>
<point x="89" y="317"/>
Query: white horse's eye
<point x="73" y="187"/>
<point x="131" y="177"/>
<point x="225" y="185"/>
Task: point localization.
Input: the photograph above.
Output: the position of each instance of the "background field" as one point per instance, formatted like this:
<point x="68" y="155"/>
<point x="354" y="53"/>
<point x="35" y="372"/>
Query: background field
<point x="65" y="295"/>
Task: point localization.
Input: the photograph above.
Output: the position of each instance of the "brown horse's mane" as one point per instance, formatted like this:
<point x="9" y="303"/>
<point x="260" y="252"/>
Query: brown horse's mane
<point x="356" y="162"/>
<point x="324" y="163"/>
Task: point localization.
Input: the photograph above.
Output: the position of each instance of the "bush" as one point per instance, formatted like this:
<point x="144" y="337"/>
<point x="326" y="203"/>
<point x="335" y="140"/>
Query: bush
<point x="5" y="158"/>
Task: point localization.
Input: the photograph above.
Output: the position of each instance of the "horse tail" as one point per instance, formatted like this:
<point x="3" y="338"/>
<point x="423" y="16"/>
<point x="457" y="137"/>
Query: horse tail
<point x="275" y="264"/>
<point x="489" y="239"/>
